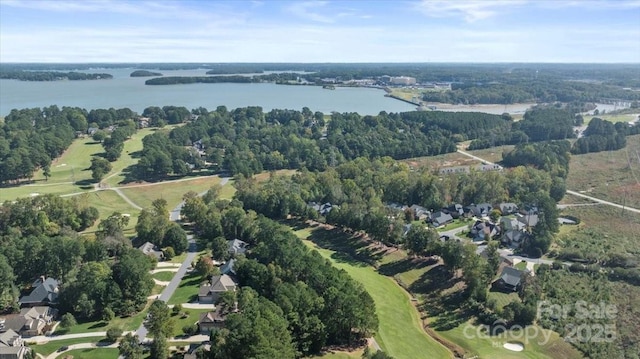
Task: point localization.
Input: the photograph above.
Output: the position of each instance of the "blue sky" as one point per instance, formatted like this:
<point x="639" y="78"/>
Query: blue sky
<point x="320" y="31"/>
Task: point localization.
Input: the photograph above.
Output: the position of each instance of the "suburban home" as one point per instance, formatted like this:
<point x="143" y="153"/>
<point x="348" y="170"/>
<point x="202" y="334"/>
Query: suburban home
<point x="481" y="229"/>
<point x="509" y="224"/>
<point x="92" y="130"/>
<point x="151" y="249"/>
<point x="11" y="344"/>
<point x="211" y="320"/>
<point x="322" y="209"/>
<point x="31" y="321"/>
<point x="440" y="218"/>
<point x="45" y="292"/>
<point x="508" y="208"/>
<point x="420" y="212"/>
<point x="513" y="237"/>
<point x="236" y="247"/>
<point x="210" y="292"/>
<point x="529" y="220"/>
<point x="478" y="210"/>
<point x="227" y="268"/>
<point x="456" y="208"/>
<point x="510" y="280"/>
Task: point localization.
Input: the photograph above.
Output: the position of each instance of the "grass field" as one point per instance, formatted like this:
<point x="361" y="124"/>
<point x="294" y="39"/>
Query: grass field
<point x="128" y="157"/>
<point x="126" y="324"/>
<point x="493" y="154"/>
<point x="52" y="346"/>
<point x="164" y="276"/>
<point x="435" y="162"/>
<point x="187" y="290"/>
<point x="172" y="192"/>
<point x="481" y="344"/>
<point x="191" y="318"/>
<point x="611" y="175"/>
<point x="400" y="333"/>
<point x="92" y="353"/>
<point x="356" y="354"/>
<point x="613" y="118"/>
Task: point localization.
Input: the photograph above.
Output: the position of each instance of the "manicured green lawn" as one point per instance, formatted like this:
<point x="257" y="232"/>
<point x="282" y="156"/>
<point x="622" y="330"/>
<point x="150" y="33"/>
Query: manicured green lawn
<point x="191" y="318"/>
<point x="127" y="323"/>
<point x="131" y="146"/>
<point x="455" y="224"/>
<point x="187" y="291"/>
<point x="535" y="346"/>
<point x="74" y="163"/>
<point x="172" y="192"/>
<point x="108" y="202"/>
<point x="52" y="346"/>
<point x="164" y="276"/>
<point x="503" y="299"/>
<point x="400" y="333"/>
<point x="93" y="353"/>
<point x="356" y="354"/>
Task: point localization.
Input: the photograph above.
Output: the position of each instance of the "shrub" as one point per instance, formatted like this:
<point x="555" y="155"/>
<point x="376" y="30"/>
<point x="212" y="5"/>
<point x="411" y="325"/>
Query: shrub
<point x="113" y="334"/>
<point x="176" y="309"/>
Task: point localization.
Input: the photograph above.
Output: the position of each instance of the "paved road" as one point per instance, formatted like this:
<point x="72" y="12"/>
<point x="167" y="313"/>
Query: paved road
<point x="168" y="291"/>
<point x="453" y="233"/>
<point x="44" y="338"/>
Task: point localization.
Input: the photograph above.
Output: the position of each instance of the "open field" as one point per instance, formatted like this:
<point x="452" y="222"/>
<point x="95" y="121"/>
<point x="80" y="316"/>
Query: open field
<point x="263" y="176"/>
<point x="493" y="154"/>
<point x="613" y="118"/>
<point x="400" y="333"/>
<point x="108" y="202"/>
<point x="172" y="192"/>
<point x="73" y="165"/>
<point x="128" y="157"/>
<point x="611" y="175"/>
<point x="163" y="276"/>
<point x="92" y="353"/>
<point x="446" y="160"/>
<point x="603" y="229"/>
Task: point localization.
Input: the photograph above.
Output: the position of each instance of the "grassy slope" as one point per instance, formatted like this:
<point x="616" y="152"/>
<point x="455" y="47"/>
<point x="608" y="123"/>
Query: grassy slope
<point x="400" y="333"/>
<point x="52" y="346"/>
<point x="187" y="289"/>
<point x="126" y="323"/>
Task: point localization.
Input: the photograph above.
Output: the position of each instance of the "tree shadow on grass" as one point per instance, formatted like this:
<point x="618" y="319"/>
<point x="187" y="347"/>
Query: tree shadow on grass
<point x="98" y="325"/>
<point x="190" y="280"/>
<point x="348" y="247"/>
<point x="405" y="265"/>
<point x="441" y="300"/>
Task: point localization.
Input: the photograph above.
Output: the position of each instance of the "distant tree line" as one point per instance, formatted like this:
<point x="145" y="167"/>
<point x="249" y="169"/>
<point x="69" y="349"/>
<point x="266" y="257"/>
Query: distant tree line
<point x="51" y="76"/>
<point x="144" y="73"/>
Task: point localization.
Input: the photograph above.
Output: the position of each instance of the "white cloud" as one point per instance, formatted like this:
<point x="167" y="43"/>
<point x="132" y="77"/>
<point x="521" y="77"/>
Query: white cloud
<point x="469" y="10"/>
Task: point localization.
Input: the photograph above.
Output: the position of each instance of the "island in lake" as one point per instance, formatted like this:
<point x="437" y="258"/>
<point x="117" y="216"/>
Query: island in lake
<point x="51" y="75"/>
<point x="144" y="73"/>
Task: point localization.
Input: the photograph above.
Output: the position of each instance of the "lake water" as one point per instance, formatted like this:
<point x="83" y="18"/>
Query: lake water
<point x="124" y="91"/>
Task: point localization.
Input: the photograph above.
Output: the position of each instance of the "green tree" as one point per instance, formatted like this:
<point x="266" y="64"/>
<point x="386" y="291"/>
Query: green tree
<point x="67" y="321"/>
<point x="99" y="168"/>
<point x="159" y="321"/>
<point x="130" y="347"/>
<point x="159" y="347"/>
<point x="99" y="136"/>
<point x="113" y="334"/>
<point x="220" y="248"/>
<point x="204" y="267"/>
<point x="176" y="238"/>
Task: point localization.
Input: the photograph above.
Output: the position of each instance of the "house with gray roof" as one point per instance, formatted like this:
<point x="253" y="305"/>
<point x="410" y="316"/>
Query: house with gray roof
<point x="237" y="246"/>
<point x="210" y="292"/>
<point x="31" y="321"/>
<point x="11" y="344"/>
<point x="45" y="292"/>
<point x="228" y="268"/>
<point x="151" y="249"/>
<point x="508" y="208"/>
<point x="510" y="280"/>
<point x="440" y="218"/>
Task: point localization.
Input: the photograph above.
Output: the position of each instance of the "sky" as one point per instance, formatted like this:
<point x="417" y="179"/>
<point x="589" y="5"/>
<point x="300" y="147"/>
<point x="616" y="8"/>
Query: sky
<point x="587" y="31"/>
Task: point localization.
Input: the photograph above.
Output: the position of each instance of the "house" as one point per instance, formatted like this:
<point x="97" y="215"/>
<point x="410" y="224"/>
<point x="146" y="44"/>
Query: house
<point x="236" y="247"/>
<point x="92" y="130"/>
<point x="210" y="292"/>
<point x="513" y="236"/>
<point x="481" y="229"/>
<point x="440" y="218"/>
<point x="420" y="212"/>
<point x="45" y="292"/>
<point x="228" y="268"/>
<point x="508" y="208"/>
<point x="151" y="249"/>
<point x="211" y="320"/>
<point x="510" y="280"/>
<point x="31" y="321"/>
<point x="529" y="220"/>
<point x="11" y="344"/>
<point x="456" y="208"/>
<point x="510" y="224"/>
<point x="478" y="210"/>
<point x="322" y="209"/>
